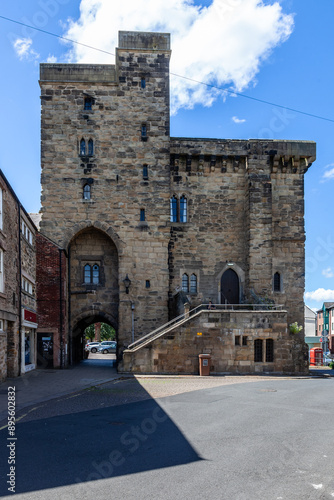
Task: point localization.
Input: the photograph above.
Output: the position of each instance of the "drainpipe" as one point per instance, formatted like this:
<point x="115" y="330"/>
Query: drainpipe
<point x="20" y="293"/>
<point x="61" y="310"/>
<point x="69" y="307"/>
<point x="132" y="322"/>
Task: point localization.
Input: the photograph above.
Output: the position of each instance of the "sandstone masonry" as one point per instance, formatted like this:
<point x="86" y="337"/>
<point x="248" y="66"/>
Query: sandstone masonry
<point x="186" y="220"/>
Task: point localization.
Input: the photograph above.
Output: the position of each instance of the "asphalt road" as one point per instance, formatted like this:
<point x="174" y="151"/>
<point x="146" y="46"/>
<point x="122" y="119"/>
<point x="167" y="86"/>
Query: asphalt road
<point x="270" y="439"/>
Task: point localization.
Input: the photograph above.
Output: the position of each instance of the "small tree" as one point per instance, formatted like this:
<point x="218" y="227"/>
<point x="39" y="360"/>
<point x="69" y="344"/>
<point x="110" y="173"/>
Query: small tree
<point x="107" y="332"/>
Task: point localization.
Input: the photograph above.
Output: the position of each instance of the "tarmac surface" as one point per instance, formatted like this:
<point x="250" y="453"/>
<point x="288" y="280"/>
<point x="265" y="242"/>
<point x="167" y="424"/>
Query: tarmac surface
<point x="99" y="372"/>
<point x="88" y="433"/>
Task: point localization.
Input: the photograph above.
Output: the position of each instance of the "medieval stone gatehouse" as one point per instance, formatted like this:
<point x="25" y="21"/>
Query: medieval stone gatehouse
<point x="153" y="225"/>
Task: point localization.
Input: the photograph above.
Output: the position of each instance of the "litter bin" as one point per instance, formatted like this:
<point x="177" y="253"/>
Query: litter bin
<point x="204" y="364"/>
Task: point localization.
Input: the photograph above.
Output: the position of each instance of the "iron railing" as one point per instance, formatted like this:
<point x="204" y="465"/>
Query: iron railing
<point x="179" y="320"/>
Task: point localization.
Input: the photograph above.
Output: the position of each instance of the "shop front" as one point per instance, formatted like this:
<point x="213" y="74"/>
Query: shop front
<point x="28" y="341"/>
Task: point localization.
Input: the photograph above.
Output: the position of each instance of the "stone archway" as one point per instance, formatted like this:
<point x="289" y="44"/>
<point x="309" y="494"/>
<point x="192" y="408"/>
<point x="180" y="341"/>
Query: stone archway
<point x="93" y="285"/>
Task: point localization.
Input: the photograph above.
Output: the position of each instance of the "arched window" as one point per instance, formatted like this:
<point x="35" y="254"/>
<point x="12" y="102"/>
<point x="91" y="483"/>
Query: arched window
<point x="258" y="351"/>
<point x="193" y="283"/>
<point x="92" y="274"/>
<point x="96" y="274"/>
<point x="277" y="282"/>
<point x="269" y="350"/>
<point x="86" y="192"/>
<point x="87" y="273"/>
<point x="173" y="209"/>
<point x="88" y="103"/>
<point x="183" y="209"/>
<point x="185" y="283"/>
<point x="90" y="147"/>
<point x="82" y="147"/>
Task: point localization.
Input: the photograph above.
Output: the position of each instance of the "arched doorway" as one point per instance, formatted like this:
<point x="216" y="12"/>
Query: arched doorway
<point x="93" y="285"/>
<point x="229" y="288"/>
<point x="79" y="340"/>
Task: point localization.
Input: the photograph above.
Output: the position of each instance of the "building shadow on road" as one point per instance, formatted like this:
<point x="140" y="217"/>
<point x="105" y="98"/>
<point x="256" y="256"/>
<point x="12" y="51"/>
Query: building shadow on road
<point x="60" y="444"/>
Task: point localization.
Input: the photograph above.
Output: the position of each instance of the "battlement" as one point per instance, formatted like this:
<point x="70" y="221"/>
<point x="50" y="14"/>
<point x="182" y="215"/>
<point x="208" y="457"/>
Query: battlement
<point x="141" y="40"/>
<point x="78" y="73"/>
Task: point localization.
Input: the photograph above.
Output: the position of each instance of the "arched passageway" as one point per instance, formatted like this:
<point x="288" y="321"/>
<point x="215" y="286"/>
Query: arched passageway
<point x="93" y="285"/>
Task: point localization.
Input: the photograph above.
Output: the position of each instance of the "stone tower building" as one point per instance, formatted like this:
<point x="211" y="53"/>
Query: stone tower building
<point x="151" y="223"/>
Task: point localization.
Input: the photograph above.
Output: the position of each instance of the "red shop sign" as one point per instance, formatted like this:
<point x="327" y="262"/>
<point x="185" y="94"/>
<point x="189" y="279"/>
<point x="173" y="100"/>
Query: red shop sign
<point x="30" y="316"/>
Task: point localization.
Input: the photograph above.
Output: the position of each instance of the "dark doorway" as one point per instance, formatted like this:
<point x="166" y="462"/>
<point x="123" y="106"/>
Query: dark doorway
<point x="229" y="287"/>
<point x="45" y="350"/>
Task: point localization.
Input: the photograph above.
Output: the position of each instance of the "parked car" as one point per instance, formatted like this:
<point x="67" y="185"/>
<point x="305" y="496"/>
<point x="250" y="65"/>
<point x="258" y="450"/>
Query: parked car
<point x="107" y="347"/>
<point x="92" y="346"/>
<point x="327" y="358"/>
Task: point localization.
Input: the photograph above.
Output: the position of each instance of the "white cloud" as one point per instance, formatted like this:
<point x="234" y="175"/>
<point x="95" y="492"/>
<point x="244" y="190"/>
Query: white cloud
<point x="238" y="120"/>
<point x="328" y="273"/>
<point x="22" y="47"/>
<point x="223" y="44"/>
<point x="320" y="295"/>
<point x="51" y="59"/>
<point x="329" y="174"/>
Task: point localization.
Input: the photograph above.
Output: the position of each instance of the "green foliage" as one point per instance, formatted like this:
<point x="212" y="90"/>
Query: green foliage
<point x="107" y="332"/>
<point x="331" y="365"/>
<point x="295" y="328"/>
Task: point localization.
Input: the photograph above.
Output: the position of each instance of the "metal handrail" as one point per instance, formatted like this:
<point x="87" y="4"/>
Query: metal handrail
<point x="190" y="314"/>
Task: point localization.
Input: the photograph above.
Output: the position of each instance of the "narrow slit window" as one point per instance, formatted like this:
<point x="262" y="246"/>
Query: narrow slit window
<point x="237" y="340"/>
<point x="277" y="282"/>
<point x="244" y="340"/>
<point x="86" y="192"/>
<point x="88" y="103"/>
<point x="143" y="132"/>
<point x="173" y="209"/>
<point x="142" y="214"/>
<point x="148" y="284"/>
<point x="143" y="83"/>
<point x="82" y="147"/>
<point x="145" y="172"/>
<point x="90" y="147"/>
<point x="185" y="283"/>
<point x="183" y="209"/>
<point x="193" y="283"/>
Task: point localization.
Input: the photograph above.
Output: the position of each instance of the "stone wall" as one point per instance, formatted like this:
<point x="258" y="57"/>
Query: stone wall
<point x="228" y="336"/>
<point x="119" y="190"/>
<point x="244" y="198"/>
<point x="9" y="296"/>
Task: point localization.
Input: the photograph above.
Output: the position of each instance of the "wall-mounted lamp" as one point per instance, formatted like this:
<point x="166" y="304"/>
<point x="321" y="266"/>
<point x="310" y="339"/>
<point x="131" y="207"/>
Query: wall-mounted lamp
<point x="127" y="283"/>
<point x="230" y="263"/>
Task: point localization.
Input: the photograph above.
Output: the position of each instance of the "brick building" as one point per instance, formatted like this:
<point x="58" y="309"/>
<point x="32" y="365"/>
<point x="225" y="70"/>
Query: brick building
<point x="152" y="226"/>
<point x="18" y="318"/>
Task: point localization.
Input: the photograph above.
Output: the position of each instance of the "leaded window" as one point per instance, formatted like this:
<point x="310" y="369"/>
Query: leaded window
<point x="277" y="282"/>
<point x="90" y="147"/>
<point x="193" y="283"/>
<point x="86" y="192"/>
<point x="173" y="209"/>
<point x="258" y="351"/>
<point x="269" y="350"/>
<point x="82" y="147"/>
<point x="185" y="283"/>
<point x="183" y="209"/>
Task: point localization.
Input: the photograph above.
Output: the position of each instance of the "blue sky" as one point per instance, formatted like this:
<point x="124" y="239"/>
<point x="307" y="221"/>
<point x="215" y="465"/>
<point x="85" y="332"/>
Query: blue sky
<point x="275" y="51"/>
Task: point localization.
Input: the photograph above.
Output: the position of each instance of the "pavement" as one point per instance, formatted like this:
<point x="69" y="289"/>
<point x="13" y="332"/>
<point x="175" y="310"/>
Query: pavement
<point x="45" y="384"/>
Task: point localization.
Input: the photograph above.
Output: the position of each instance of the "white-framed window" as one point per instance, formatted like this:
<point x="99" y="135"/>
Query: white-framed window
<point x="1" y="210"/>
<point x="26" y="232"/>
<point x="27" y="286"/>
<point x="2" y="281"/>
